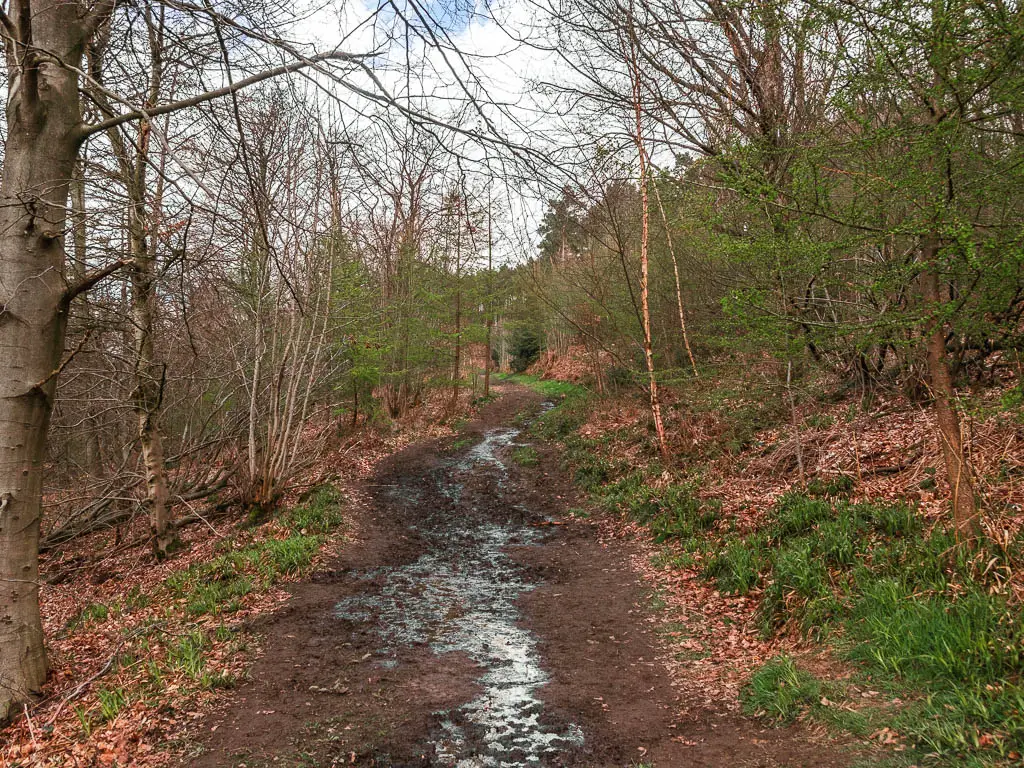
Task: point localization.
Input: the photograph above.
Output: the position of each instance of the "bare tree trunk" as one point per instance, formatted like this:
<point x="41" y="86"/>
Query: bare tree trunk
<point x="148" y="394"/>
<point x="460" y="199"/>
<point x="144" y="306"/>
<point x="679" y="290"/>
<point x="43" y="119"/>
<point x="487" y="361"/>
<point x="149" y="373"/>
<point x="958" y="469"/>
<point x="490" y="315"/>
<point x="595" y="358"/>
<point x="796" y="424"/>
<point x="504" y="364"/>
<point x="458" y="349"/>
<point x="652" y="380"/>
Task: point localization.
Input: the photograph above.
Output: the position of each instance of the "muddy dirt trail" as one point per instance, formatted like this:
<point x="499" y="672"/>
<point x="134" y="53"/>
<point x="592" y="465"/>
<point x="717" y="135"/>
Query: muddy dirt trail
<point x="471" y="625"/>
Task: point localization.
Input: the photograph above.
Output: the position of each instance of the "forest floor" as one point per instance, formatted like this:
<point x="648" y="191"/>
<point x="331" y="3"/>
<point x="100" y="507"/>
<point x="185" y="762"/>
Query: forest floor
<point x="469" y="620"/>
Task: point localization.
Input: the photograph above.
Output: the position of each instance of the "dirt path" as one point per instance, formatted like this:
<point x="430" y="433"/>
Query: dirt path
<point x="463" y="629"/>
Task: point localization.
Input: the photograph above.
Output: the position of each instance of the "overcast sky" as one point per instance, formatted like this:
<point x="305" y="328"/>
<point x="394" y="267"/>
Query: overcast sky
<point x="500" y="57"/>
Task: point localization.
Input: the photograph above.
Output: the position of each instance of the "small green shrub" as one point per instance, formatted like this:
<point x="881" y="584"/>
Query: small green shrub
<point x="84" y="721"/>
<point x="796" y="514"/>
<point x="112" y="701"/>
<point x="780" y="691"/>
<point x="974" y="637"/>
<point x="798" y="576"/>
<point x="678" y="513"/>
<point x="736" y="568"/>
<point x="321" y="513"/>
<point x="524" y="346"/>
<point x="460" y="443"/>
<point x="1013" y="400"/>
<point x="136" y="598"/>
<point x="214" y="596"/>
<point x="820" y="420"/>
<point x="912" y="609"/>
<point x="188" y="653"/>
<point x="891" y="519"/>
<point x="626" y="492"/>
<point x="94" y="613"/>
<point x="217" y="680"/>
<point x="840" y="485"/>
<point x="839" y="541"/>
<point x="287" y="556"/>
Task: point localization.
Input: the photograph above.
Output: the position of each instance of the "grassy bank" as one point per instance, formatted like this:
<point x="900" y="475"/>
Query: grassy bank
<point x="154" y="651"/>
<point x="923" y="637"/>
<point x="548" y="387"/>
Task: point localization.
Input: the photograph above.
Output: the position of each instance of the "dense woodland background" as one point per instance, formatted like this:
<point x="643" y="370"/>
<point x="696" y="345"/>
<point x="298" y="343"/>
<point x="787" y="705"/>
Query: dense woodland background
<point x="778" y="225"/>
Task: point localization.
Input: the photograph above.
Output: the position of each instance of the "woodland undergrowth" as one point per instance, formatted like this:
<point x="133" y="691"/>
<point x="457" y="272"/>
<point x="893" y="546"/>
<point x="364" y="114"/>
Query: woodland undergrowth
<point x="841" y="601"/>
<point x="141" y="650"/>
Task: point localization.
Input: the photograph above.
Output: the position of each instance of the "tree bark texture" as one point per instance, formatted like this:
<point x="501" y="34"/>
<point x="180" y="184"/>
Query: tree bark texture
<point x="958" y="470"/>
<point x="43" y="118"/>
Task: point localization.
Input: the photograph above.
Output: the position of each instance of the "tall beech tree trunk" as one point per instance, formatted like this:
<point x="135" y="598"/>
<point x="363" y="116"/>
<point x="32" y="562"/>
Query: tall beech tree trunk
<point x="44" y="43"/>
<point x="958" y="469"/>
<point x="44" y="134"/>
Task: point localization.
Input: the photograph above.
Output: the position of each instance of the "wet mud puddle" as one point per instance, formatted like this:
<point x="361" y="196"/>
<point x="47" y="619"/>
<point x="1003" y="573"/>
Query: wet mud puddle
<point x="460" y="596"/>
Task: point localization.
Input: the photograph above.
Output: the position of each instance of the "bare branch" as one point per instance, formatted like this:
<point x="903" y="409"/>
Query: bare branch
<point x="86" y="130"/>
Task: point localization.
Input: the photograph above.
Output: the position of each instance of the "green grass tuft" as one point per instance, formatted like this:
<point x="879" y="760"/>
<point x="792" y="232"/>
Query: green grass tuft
<point x="188" y="653"/>
<point x="94" y="613"/>
<point x="736" y="568"/>
<point x="526" y="456"/>
<point x="319" y="514"/>
<point x="781" y="691"/>
<point x="112" y="702"/>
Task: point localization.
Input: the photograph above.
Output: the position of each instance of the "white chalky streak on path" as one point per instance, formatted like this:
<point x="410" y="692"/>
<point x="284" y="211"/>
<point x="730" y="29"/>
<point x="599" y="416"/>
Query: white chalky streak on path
<point x="461" y="596"/>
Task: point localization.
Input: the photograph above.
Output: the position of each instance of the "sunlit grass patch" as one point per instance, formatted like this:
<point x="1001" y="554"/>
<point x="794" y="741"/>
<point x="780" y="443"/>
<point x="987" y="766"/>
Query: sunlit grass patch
<point x="927" y="629"/>
<point x="218" y="585"/>
<point x="548" y="387"/>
